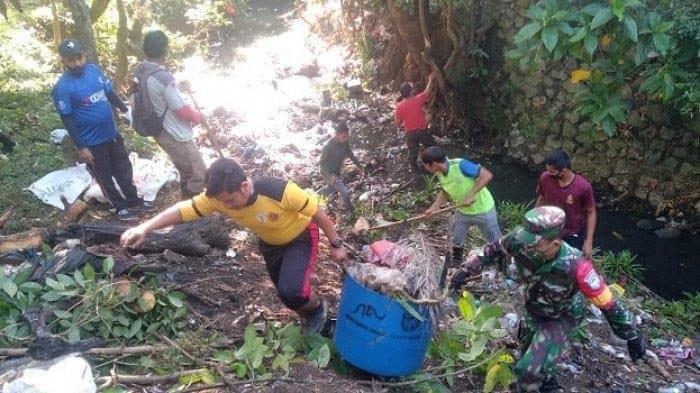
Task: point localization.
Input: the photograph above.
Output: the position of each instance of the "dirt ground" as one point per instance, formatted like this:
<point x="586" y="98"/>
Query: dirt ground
<point x="229" y="292"/>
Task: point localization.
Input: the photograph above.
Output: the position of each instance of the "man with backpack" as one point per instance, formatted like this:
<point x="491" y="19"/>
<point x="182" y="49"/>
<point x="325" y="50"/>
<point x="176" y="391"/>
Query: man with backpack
<point x="83" y="96"/>
<point x="160" y="111"/>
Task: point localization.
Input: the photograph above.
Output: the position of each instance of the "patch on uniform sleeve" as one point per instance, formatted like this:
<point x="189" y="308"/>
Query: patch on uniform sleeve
<point x="593" y="280"/>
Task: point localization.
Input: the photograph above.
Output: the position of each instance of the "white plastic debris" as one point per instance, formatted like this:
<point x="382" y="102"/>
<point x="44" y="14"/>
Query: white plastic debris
<point x="149" y="177"/>
<point x="58" y="135"/>
<point x="68" y="374"/>
<point x="569" y="367"/>
<point x="610" y="350"/>
<point x="509" y="322"/>
<point x="69" y="182"/>
<point x="231" y="253"/>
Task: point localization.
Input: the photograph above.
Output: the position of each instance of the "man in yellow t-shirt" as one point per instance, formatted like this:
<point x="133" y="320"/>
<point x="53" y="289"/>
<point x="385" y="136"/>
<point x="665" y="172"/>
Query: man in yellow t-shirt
<point x="285" y="219"/>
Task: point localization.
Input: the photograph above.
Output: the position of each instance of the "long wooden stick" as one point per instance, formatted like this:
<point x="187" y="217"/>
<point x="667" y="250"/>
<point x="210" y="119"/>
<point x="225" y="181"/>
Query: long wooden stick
<point x="15" y="352"/>
<point x="416" y="218"/>
<point x="145" y="379"/>
<point x="210" y="134"/>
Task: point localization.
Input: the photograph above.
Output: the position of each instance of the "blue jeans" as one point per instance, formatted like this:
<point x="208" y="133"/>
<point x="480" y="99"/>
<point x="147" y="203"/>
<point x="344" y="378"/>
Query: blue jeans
<point x="487" y="223"/>
<point x="335" y="184"/>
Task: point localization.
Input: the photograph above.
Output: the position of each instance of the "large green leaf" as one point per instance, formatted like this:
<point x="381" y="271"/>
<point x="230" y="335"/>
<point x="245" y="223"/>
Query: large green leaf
<point x="592" y="9"/>
<point x="476" y="350"/>
<point x="550" y="37"/>
<point x="528" y="31"/>
<point x="601" y="18"/>
<point x="486" y="312"/>
<point x="466" y="305"/>
<point x="609" y="126"/>
<point x="89" y="272"/>
<point x="581" y="34"/>
<point x="535" y="12"/>
<point x="662" y="42"/>
<point x="618" y="8"/>
<point x="662" y="27"/>
<point x="630" y="28"/>
<point x="590" y="43"/>
<point x="107" y="265"/>
<point x="566" y="28"/>
<point x="9" y="287"/>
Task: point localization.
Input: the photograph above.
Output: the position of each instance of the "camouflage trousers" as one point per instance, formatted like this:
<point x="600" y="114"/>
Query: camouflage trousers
<point x="543" y="342"/>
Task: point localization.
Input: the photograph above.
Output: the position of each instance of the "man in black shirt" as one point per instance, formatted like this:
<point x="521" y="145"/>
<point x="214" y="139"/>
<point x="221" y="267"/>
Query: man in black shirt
<point x="332" y="157"/>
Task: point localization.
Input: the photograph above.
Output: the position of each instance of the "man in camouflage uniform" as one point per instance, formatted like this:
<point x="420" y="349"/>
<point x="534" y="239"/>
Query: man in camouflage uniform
<point x="557" y="279"/>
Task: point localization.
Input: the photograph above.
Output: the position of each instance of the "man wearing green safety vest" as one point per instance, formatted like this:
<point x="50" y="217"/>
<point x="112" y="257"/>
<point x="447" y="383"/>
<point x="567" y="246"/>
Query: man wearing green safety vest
<point x="464" y="183"/>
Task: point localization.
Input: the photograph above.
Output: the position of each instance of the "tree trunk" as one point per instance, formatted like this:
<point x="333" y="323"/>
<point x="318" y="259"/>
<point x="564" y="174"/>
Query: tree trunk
<point x="137" y="13"/>
<point x="56" y="25"/>
<point x="82" y="29"/>
<point x="120" y="79"/>
<point x="98" y="8"/>
<point x="195" y="238"/>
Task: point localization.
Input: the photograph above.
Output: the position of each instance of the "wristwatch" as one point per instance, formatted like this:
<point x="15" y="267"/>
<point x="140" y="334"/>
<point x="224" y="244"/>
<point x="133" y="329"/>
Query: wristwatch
<point x="338" y="243"/>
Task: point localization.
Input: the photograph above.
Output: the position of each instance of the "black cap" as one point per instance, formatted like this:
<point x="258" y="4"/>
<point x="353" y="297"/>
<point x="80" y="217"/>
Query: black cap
<point x="69" y="48"/>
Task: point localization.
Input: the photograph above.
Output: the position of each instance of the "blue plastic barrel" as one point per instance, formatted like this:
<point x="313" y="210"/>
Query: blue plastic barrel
<point x="376" y="334"/>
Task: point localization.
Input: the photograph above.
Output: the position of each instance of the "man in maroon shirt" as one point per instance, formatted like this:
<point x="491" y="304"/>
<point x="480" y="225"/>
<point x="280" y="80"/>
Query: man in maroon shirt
<point x="409" y="113"/>
<point x="560" y="186"/>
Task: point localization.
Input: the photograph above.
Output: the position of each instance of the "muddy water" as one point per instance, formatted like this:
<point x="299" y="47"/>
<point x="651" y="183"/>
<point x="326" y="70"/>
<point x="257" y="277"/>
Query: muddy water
<point x="671" y="266"/>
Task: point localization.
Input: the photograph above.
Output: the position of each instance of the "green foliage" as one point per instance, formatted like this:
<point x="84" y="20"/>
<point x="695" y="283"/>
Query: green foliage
<point x="614" y="42"/>
<point x="277" y="349"/>
<point x="400" y="206"/>
<point x="465" y="344"/>
<point x="87" y="304"/>
<point x="679" y="318"/>
<point x="511" y="214"/>
<point x="623" y="264"/>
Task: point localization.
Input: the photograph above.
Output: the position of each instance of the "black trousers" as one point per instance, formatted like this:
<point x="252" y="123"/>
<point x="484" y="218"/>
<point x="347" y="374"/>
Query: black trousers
<point x="413" y="140"/>
<point x="110" y="163"/>
<point x="290" y="266"/>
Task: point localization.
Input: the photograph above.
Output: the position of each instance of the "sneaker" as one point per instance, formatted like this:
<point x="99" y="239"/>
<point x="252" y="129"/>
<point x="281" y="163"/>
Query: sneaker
<point x="315" y="322"/>
<point x="125" y="215"/>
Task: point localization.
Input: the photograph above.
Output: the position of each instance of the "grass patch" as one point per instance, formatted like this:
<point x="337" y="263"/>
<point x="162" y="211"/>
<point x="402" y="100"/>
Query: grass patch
<point x="620" y="265"/>
<point x="28" y="117"/>
<point x="680" y="318"/>
<point x="511" y="214"/>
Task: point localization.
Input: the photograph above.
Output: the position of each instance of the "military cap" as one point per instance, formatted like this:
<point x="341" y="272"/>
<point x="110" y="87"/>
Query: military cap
<point x="542" y="222"/>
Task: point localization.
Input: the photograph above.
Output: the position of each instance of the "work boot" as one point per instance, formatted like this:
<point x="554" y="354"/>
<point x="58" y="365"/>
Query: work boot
<point x="315" y="322"/>
<point x="457" y="253"/>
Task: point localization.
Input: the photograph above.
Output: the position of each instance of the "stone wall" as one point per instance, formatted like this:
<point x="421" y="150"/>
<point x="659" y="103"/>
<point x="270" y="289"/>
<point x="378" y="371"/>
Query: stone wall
<point x="655" y="158"/>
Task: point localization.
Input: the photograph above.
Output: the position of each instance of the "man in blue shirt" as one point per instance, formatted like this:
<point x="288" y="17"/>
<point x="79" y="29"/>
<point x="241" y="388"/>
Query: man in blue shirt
<point x="82" y="97"/>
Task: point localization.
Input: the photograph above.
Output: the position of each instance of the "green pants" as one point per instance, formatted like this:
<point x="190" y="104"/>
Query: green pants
<point x="543" y="341"/>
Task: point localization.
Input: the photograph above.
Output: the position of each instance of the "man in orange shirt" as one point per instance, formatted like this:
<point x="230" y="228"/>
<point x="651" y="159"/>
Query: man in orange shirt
<point x="410" y="114"/>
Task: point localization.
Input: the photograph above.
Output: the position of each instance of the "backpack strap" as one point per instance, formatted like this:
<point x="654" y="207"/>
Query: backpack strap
<point x="145" y="80"/>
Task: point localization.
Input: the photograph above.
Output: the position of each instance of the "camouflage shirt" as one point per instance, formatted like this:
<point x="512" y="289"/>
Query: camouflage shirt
<point x="552" y="289"/>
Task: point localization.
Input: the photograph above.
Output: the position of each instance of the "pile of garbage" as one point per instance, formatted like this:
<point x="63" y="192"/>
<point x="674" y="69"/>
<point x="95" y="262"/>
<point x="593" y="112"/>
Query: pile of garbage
<point x="408" y="269"/>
